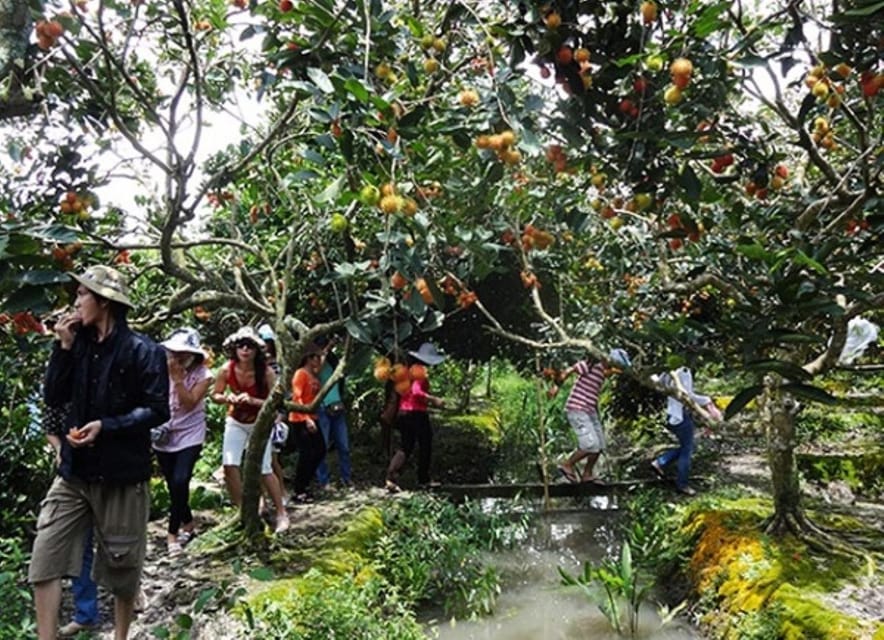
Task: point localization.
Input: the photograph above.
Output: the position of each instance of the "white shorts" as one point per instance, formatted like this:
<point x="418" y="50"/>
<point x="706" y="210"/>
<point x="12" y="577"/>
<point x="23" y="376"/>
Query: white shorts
<point x="588" y="428"/>
<point x="236" y="437"/>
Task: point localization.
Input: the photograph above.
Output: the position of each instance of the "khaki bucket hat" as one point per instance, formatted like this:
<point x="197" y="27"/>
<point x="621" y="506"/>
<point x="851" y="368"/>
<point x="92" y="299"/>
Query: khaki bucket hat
<point x="106" y="282"/>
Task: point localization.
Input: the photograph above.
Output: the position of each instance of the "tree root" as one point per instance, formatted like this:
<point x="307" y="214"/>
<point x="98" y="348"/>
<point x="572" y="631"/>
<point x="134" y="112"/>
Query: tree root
<point x="797" y="524"/>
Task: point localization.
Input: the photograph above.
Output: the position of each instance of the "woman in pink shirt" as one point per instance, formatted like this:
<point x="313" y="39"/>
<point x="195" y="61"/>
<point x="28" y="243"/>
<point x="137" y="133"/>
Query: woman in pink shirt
<point x="413" y="420"/>
<point x="179" y="448"/>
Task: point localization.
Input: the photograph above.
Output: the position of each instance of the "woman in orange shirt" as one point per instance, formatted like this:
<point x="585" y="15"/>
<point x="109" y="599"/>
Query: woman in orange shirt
<point x="304" y="431"/>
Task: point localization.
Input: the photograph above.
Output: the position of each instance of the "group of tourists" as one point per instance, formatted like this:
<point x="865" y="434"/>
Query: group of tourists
<point x="113" y="397"/>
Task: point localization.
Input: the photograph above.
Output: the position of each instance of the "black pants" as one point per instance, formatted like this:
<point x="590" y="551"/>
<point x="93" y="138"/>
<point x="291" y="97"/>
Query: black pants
<point x="415" y="429"/>
<point x="177" y="468"/>
<point x="311" y="451"/>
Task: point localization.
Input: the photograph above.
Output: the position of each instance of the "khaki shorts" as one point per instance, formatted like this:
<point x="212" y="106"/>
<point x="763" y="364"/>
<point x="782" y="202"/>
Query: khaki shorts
<point x="588" y="427"/>
<point x="119" y="516"/>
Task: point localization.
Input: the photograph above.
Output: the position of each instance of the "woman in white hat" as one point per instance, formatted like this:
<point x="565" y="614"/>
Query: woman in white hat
<point x="243" y="383"/>
<point x="179" y="445"/>
<point x="413" y="419"/>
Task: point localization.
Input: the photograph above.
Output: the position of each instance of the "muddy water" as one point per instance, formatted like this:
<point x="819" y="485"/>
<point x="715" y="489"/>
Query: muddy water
<point x="534" y="606"/>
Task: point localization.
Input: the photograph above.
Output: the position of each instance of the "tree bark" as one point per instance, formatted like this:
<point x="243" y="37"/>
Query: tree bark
<point x="778" y="416"/>
<point x="251" y="467"/>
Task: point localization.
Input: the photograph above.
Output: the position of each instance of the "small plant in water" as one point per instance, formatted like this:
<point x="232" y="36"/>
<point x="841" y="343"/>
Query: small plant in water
<point x="616" y="587"/>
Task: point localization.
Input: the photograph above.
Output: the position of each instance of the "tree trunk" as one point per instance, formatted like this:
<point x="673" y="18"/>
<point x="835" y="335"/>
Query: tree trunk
<point x="251" y="467"/>
<point x="778" y="416"/>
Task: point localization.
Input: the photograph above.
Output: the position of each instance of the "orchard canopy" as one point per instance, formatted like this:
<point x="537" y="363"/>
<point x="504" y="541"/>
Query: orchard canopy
<point x="586" y="174"/>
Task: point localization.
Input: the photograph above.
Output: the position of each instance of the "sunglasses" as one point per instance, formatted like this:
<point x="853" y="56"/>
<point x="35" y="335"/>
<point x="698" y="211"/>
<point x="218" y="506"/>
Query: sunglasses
<point x="245" y="345"/>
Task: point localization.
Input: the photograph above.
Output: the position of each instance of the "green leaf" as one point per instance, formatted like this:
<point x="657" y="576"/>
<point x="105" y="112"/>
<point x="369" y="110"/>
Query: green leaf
<point x="754" y="252"/>
<point x="865" y="11"/>
<point x="740" y="400"/>
<point x="358" y="89"/>
<point x="751" y="61"/>
<point x="331" y="192"/>
<point x="264" y="574"/>
<point x="809" y="392"/>
<point x="691" y="184"/>
<point x="791" y="337"/>
<point x="709" y="21"/>
<point x="320" y="79"/>
<point x="805" y="260"/>
<point x="785" y="369"/>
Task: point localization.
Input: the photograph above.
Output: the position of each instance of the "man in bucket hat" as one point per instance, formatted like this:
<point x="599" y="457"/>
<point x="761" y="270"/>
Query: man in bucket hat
<point x="118" y="388"/>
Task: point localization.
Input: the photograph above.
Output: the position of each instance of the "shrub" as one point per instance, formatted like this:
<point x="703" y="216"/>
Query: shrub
<point x="16" y="614"/>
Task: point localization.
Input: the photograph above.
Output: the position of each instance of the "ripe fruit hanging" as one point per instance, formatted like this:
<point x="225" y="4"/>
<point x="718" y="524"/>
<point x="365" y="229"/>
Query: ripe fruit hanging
<point x="680" y="70"/>
<point x="553" y="20"/>
<point x="286" y="5"/>
<point x="418" y="372"/>
<point x="648" y="10"/>
<point x="468" y="98"/>
<point x="564" y="55"/>
<point x="398" y="281"/>
<point x="672" y="95"/>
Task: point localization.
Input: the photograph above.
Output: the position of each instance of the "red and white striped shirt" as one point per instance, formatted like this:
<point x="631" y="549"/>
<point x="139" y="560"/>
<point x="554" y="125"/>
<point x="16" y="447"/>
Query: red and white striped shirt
<point x="585" y="394"/>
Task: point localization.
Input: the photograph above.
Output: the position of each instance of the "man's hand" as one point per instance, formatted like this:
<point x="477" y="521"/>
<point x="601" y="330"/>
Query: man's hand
<point x="85" y="435"/>
<point x="66" y="329"/>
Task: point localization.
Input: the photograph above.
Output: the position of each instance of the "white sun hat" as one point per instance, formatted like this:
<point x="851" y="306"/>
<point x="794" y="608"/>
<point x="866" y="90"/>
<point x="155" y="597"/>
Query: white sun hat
<point x="428" y="354"/>
<point x="184" y="340"/>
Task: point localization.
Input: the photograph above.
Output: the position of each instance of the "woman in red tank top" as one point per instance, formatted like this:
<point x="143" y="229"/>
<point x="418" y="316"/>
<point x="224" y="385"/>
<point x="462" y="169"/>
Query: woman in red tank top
<point x="243" y="384"/>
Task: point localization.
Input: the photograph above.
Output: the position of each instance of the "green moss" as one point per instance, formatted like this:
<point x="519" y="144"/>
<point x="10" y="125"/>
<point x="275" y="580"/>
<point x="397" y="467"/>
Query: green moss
<point x="487" y="423"/>
<point x="807" y="617"/>
<point x="863" y="471"/>
<point x="750" y="582"/>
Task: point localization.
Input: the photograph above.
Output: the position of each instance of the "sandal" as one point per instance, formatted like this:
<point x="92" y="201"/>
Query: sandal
<point x="658" y="470"/>
<point x="568" y="474"/>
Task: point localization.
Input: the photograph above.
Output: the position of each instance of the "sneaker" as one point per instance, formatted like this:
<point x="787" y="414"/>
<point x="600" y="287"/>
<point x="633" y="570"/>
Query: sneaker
<point x="73" y="627"/>
<point x="658" y="470"/>
<point x="175" y="548"/>
<point x="282" y="523"/>
<point x="687" y="491"/>
<point x="392" y="487"/>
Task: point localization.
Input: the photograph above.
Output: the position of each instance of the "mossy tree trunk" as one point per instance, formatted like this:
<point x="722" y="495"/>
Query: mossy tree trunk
<point x="778" y="417"/>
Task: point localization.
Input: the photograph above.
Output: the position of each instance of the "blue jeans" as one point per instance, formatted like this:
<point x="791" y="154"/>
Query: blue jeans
<point x="684" y="431"/>
<point x="334" y="432"/>
<point x="85" y="591"/>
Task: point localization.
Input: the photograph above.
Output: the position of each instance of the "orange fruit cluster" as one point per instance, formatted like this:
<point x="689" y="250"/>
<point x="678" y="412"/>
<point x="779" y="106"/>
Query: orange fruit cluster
<point x="48" y="33"/>
<point x="534" y="238"/>
<point x="401" y="375"/>
<point x="502" y="144"/>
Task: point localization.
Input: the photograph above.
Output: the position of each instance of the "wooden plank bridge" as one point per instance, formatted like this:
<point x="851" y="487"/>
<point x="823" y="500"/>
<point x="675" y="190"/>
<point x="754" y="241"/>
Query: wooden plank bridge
<point x="458" y="492"/>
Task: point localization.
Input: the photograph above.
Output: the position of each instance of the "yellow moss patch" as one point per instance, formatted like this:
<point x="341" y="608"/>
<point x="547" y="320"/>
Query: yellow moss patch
<point x="746" y="574"/>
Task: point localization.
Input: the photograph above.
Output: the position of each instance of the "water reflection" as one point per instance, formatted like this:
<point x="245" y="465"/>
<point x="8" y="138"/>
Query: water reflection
<point x="534" y="606"/>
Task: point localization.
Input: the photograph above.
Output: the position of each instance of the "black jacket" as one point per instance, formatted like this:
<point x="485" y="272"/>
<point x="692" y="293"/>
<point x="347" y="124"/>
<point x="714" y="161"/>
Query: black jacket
<point x="133" y="397"/>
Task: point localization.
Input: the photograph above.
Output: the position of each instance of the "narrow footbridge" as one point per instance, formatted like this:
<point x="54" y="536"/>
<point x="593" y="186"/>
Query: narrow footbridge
<point x="458" y="492"/>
